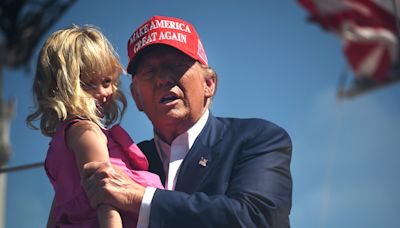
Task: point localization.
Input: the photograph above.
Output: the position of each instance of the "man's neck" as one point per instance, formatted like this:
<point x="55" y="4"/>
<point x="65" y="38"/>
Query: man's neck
<point x="171" y="132"/>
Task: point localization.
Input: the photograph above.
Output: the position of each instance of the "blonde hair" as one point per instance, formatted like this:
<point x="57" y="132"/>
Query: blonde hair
<point x="67" y="58"/>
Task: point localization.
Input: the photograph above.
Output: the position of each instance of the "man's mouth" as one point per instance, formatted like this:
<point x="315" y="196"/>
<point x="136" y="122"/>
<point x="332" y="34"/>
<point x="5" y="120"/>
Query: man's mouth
<point x="168" y="98"/>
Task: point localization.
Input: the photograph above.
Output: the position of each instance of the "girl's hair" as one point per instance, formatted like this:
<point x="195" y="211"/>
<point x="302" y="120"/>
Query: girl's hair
<point x="67" y="58"/>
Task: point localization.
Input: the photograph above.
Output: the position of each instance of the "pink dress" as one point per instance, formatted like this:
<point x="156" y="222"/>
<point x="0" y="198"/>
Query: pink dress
<point x="72" y="208"/>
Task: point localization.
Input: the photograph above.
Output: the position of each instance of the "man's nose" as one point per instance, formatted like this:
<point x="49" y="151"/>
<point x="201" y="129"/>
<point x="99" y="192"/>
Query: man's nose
<point x="165" y="77"/>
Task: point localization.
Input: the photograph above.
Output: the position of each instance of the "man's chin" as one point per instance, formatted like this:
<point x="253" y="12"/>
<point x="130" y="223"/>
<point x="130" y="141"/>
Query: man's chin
<point x="177" y="114"/>
<point x="171" y="116"/>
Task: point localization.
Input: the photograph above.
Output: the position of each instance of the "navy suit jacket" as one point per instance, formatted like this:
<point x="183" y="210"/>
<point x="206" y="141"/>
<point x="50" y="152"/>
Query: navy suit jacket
<point x="246" y="181"/>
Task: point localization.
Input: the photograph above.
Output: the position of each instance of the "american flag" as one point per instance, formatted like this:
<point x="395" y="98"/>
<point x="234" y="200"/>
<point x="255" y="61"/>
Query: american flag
<point x="368" y="30"/>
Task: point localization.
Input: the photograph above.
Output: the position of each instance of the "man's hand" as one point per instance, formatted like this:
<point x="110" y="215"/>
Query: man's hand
<point x="105" y="184"/>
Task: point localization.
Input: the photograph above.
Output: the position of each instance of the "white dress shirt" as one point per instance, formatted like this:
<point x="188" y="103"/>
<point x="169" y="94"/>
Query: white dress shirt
<point x="171" y="157"/>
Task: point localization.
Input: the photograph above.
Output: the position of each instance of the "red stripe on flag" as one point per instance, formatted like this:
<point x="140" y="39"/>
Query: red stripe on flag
<point x="355" y="53"/>
<point x="310" y="6"/>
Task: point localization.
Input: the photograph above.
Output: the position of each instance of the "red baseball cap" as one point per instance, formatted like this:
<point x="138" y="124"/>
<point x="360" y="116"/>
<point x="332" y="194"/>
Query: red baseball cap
<point x="170" y="31"/>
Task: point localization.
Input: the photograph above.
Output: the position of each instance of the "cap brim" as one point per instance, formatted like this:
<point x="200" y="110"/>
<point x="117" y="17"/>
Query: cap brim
<point x="132" y="64"/>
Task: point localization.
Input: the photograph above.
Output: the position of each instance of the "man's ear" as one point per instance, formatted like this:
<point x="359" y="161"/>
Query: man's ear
<point x="136" y="97"/>
<point x="210" y="85"/>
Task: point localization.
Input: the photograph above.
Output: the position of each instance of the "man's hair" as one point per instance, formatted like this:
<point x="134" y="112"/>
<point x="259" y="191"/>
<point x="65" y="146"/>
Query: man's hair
<point x="69" y="57"/>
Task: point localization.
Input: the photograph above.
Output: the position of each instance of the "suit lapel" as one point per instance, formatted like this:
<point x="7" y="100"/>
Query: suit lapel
<point x="200" y="159"/>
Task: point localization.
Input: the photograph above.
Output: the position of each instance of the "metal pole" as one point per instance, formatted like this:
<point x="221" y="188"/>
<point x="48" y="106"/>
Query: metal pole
<point x="3" y="188"/>
<point x="21" y="167"/>
<point x="3" y="152"/>
<point x="7" y="109"/>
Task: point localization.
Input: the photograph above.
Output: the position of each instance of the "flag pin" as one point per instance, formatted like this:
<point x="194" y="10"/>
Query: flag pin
<point x="203" y="162"/>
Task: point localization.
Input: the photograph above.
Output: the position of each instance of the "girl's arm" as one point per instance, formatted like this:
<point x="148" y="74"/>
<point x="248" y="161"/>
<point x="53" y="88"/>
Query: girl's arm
<point x="89" y="144"/>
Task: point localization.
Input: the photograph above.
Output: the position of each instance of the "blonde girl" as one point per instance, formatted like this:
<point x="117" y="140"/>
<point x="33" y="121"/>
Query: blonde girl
<point x="76" y="99"/>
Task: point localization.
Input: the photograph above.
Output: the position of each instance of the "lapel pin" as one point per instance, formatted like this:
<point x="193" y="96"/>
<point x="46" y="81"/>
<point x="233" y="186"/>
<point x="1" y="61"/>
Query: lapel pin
<point x="203" y="162"/>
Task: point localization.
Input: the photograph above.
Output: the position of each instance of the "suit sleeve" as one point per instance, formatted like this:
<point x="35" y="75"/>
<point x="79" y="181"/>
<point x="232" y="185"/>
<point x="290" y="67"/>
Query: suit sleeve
<point x="258" y="192"/>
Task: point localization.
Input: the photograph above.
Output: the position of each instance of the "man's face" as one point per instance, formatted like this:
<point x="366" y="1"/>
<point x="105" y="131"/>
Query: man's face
<point x="171" y="88"/>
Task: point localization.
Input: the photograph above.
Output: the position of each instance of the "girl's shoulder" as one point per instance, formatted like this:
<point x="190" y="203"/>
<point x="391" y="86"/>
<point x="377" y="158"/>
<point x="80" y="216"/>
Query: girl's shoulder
<point x="77" y="126"/>
<point x="70" y="121"/>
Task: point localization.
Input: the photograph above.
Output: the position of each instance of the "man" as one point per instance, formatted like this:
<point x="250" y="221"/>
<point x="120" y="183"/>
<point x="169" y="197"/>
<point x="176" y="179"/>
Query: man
<point x="218" y="172"/>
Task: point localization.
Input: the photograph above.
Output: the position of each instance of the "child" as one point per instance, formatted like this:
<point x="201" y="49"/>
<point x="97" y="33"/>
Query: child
<point x="76" y="94"/>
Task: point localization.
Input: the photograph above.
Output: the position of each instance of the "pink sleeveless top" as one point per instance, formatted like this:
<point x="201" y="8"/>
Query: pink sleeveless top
<point x="72" y="207"/>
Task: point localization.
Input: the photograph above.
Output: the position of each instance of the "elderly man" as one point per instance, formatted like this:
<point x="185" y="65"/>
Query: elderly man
<point x="217" y="172"/>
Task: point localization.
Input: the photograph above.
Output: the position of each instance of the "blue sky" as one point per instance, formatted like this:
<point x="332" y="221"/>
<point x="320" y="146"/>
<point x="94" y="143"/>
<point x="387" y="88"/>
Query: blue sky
<point x="272" y="64"/>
